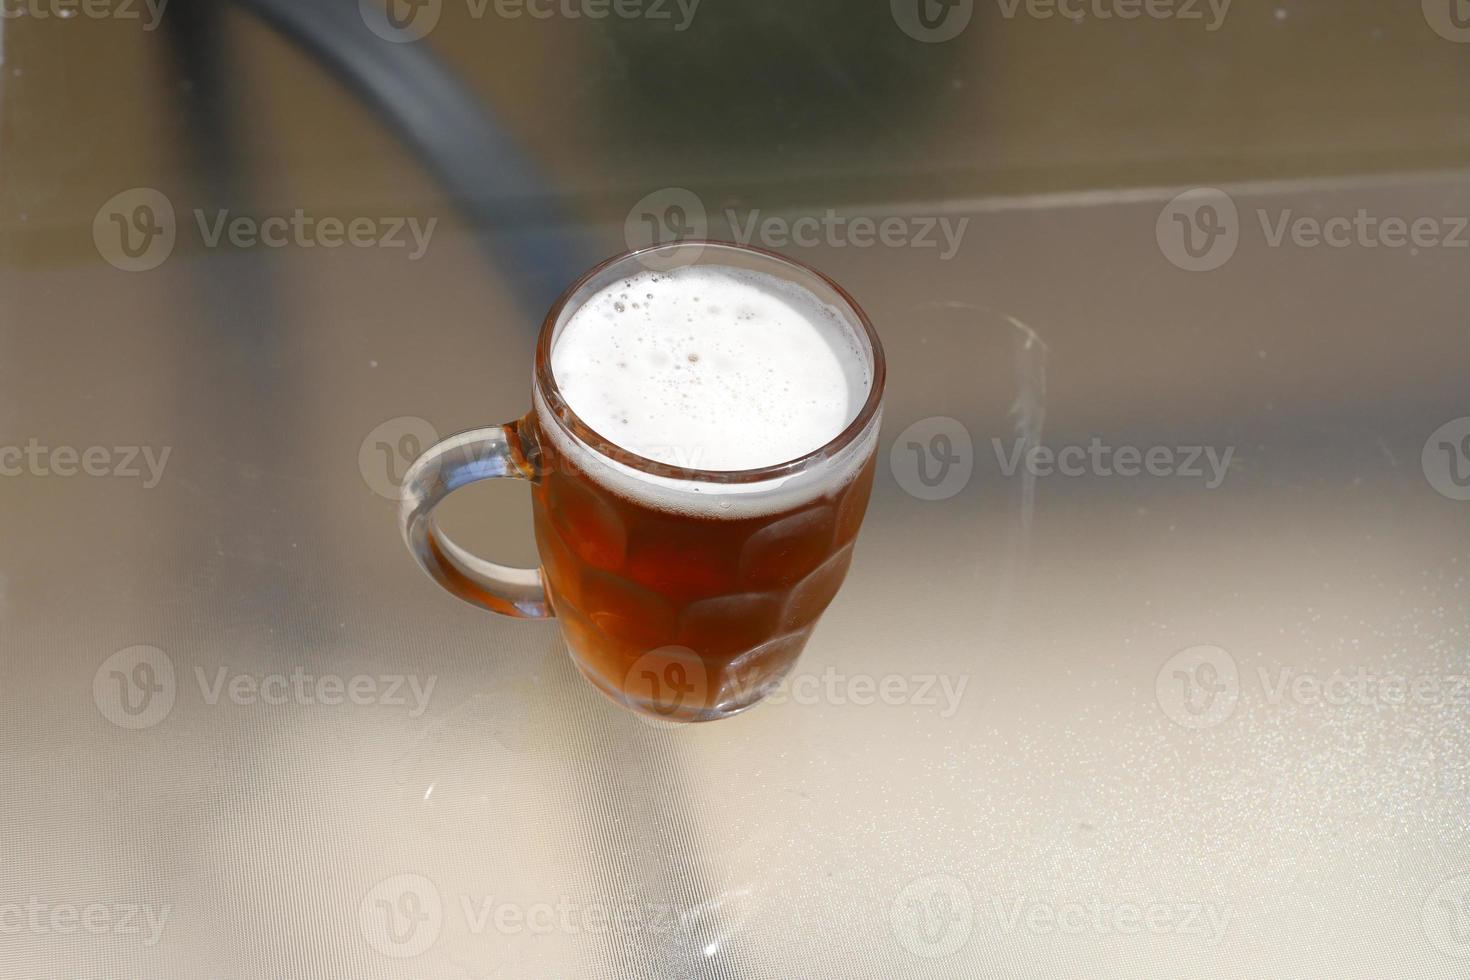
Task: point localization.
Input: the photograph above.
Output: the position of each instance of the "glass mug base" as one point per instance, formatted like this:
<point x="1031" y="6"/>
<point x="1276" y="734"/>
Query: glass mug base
<point x="684" y="595"/>
<point x="675" y="709"/>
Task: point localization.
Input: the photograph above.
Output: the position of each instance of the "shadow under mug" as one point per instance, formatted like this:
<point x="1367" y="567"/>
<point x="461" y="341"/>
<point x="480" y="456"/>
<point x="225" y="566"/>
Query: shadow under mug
<point x="689" y="603"/>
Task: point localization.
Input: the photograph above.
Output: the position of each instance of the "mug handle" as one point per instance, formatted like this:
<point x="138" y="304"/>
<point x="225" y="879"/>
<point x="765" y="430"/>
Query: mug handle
<point x="468" y="457"/>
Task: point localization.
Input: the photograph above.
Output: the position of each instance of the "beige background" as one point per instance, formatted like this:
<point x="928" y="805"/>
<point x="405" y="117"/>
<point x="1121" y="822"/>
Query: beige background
<point x="799" y="839"/>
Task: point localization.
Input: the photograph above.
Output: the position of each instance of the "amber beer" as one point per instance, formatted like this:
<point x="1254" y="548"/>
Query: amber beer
<point x="684" y="615"/>
<point x="701" y="446"/>
<point x="683" y="595"/>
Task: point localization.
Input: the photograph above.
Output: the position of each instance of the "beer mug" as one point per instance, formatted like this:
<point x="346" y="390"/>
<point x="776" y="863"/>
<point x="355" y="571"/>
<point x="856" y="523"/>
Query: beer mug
<point x="686" y="587"/>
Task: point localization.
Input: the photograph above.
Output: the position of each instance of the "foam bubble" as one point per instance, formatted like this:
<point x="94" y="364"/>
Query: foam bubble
<point x="712" y="368"/>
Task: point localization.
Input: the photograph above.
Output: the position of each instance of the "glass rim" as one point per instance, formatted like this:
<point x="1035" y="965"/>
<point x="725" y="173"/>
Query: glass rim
<point x="609" y="449"/>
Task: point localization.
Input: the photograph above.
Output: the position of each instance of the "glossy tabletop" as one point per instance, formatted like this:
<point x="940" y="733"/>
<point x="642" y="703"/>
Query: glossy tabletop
<point x="1154" y="658"/>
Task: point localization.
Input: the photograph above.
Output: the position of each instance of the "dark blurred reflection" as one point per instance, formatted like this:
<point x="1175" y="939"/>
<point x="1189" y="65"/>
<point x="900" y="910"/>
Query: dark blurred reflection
<point x="750" y="76"/>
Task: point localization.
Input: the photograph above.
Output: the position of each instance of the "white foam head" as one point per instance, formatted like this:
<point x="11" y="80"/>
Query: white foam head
<point x="712" y="368"/>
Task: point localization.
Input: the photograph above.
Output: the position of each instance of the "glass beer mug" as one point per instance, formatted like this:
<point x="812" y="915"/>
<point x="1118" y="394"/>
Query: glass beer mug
<point x="684" y="593"/>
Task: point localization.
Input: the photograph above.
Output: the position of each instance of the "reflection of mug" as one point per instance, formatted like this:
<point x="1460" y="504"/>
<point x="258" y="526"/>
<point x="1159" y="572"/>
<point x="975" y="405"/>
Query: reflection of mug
<point x="684" y="593"/>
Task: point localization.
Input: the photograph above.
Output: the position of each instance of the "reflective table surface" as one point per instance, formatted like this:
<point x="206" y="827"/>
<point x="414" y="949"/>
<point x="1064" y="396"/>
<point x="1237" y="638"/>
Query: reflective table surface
<point x="1154" y="659"/>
